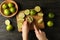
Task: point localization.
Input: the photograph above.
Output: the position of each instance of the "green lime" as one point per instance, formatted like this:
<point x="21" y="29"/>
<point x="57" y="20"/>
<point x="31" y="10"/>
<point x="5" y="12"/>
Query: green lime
<point x="32" y="12"/>
<point x="50" y="23"/>
<point x="12" y="9"/>
<point x="10" y="5"/>
<point x="51" y="15"/>
<point x="7" y="12"/>
<point x="4" y="6"/>
<point x="9" y="27"/>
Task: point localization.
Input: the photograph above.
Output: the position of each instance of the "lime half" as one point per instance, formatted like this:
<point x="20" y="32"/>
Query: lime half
<point x="27" y="11"/>
<point x="37" y="8"/>
<point x="30" y="19"/>
<point x="7" y="22"/>
<point x="40" y="14"/>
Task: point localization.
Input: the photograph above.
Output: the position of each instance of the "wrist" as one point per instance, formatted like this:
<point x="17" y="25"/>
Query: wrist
<point x="25" y="36"/>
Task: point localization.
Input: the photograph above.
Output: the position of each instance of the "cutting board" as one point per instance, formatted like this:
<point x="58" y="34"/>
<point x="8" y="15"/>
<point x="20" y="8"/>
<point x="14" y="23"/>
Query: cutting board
<point x="36" y="18"/>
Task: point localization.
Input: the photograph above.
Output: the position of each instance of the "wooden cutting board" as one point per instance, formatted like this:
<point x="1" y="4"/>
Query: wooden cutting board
<point x="36" y="18"/>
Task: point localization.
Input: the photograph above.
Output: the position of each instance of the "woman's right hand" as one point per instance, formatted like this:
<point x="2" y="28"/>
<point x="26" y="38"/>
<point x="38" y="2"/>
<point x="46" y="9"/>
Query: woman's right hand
<point x="39" y="34"/>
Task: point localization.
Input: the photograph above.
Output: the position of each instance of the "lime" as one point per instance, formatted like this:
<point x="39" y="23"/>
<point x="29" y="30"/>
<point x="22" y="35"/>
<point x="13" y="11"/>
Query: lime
<point x="12" y="9"/>
<point x="32" y="12"/>
<point x="40" y="14"/>
<point x="30" y="19"/>
<point x="21" y="20"/>
<point x="9" y="27"/>
<point x="21" y="15"/>
<point x="7" y="12"/>
<point x="40" y="20"/>
<point x="27" y="11"/>
<point x="50" y="23"/>
<point x="7" y="22"/>
<point x="37" y="8"/>
<point x="10" y="5"/>
<point x="4" y="6"/>
<point x="51" y="15"/>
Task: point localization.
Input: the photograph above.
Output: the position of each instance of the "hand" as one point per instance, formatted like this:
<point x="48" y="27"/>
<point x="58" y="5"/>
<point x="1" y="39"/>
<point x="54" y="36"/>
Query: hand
<point x="25" y="30"/>
<point x="39" y="34"/>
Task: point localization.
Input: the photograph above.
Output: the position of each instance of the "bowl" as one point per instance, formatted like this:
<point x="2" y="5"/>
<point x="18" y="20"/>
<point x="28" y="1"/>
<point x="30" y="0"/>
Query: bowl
<point x="1" y="10"/>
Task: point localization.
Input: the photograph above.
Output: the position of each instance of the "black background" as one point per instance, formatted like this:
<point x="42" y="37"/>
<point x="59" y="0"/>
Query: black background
<point x="47" y="6"/>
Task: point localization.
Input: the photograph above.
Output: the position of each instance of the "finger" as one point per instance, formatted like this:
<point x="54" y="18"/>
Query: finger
<point x="39" y="31"/>
<point x="25" y="22"/>
<point x="35" y="28"/>
<point x="44" y="33"/>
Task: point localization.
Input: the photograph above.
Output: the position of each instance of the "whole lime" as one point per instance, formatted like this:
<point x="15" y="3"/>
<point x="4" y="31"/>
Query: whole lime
<point x="4" y="6"/>
<point x="9" y="27"/>
<point x="7" y="12"/>
<point x="12" y="9"/>
<point x="10" y="4"/>
<point x="50" y="23"/>
<point x="51" y="15"/>
<point x="32" y="12"/>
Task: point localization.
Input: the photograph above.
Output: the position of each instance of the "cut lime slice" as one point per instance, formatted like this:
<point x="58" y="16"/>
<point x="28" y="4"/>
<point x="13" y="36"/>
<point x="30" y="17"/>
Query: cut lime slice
<point x="37" y="8"/>
<point x="7" y="22"/>
<point x="21" y="15"/>
<point x="21" y="20"/>
<point x="27" y="11"/>
<point x="40" y="20"/>
<point x="40" y="14"/>
<point x="30" y="19"/>
<point x="20" y="25"/>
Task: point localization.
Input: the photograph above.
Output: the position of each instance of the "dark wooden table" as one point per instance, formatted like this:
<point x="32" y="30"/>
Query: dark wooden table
<point x="47" y="6"/>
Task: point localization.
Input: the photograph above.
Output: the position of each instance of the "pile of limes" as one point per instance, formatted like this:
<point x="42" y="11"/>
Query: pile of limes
<point x="8" y="9"/>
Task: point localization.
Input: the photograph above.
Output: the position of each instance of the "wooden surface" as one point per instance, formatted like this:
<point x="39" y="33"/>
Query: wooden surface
<point x="35" y="17"/>
<point x="52" y="33"/>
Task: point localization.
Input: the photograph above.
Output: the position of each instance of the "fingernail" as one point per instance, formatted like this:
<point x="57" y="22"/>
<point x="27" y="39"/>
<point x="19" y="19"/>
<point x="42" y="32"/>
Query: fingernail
<point x="40" y="31"/>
